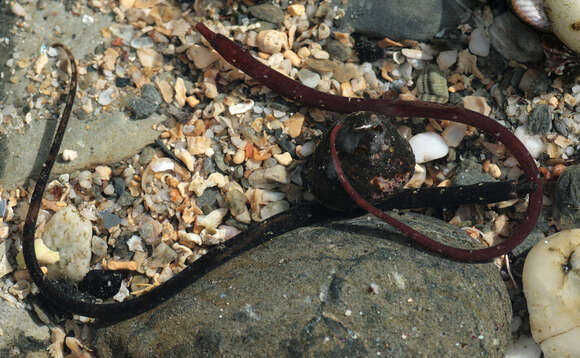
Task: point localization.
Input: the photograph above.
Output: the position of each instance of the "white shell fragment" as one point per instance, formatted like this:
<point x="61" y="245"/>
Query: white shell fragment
<point x="551" y="280"/>
<point x="69" y="155"/>
<point x="428" y="146"/>
<point x="71" y="235"/>
<point x="533" y="143"/>
<point x="212" y="220"/>
<point x="240" y="108"/>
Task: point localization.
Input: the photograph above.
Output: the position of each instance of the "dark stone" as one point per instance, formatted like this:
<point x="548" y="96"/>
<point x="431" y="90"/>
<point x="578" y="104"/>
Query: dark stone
<point x="540" y="120"/>
<point x="285" y="142"/>
<point x="567" y="208"/>
<point x="561" y="127"/>
<point x="218" y="158"/>
<point x="147" y="104"/>
<point x="121" y="249"/>
<point x="367" y="50"/>
<point x="122" y="81"/>
<point x="208" y="200"/>
<point x="101" y="283"/>
<point x="208" y="166"/>
<point x="110" y="220"/>
<point x="534" y="82"/>
<point x="470" y="172"/>
<point x="267" y="12"/>
<point x="308" y="293"/>
<point x="514" y="40"/>
<point x="119" y="185"/>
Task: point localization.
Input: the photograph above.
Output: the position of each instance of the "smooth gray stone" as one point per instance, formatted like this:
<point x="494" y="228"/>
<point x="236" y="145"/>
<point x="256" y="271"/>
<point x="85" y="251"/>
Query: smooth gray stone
<point x="403" y="19"/>
<point x="100" y="141"/>
<point x="349" y="288"/>
<point x="515" y="40"/>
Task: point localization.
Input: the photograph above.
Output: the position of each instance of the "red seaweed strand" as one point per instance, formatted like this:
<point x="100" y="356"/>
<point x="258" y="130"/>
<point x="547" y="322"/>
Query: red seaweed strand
<point x="243" y="60"/>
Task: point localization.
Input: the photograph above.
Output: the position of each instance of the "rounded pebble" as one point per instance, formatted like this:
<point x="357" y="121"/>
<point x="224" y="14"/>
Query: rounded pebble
<point x="308" y="78"/>
<point x="479" y="43"/>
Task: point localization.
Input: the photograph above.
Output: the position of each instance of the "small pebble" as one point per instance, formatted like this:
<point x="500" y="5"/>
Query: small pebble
<point x="479" y="42"/>
<point x="454" y="134"/>
<point x="337" y="50"/>
<point x="428" y="146"/>
<point x="69" y="155"/>
<point x="110" y="220"/>
<point x="477" y="104"/>
<point x="103" y="172"/>
<point x="149" y="57"/>
<point x="148" y="103"/>
<point x="446" y="59"/>
<point x="320" y="54"/>
<point x="271" y="41"/>
<point x="540" y="120"/>
<point x="285" y="158"/>
<point x="201" y="56"/>
<point x="142" y="42"/>
<point x="106" y="97"/>
<point x="109" y="190"/>
<point x="267" y="12"/>
<point x="533" y="143"/>
<point x="308" y="78"/>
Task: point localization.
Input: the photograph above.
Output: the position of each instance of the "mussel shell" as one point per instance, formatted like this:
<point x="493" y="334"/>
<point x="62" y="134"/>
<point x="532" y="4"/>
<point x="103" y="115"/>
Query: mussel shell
<point x="376" y="159"/>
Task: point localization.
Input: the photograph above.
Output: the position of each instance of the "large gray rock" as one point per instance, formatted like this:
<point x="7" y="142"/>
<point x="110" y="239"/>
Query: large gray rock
<point x="108" y="139"/>
<point x="21" y="335"/>
<point x="403" y="19"/>
<point x="345" y="289"/>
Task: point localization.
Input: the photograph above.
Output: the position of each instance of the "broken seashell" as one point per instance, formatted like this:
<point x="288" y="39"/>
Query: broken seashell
<point x="551" y="280"/>
<point x="211" y="220"/>
<point x="69" y="155"/>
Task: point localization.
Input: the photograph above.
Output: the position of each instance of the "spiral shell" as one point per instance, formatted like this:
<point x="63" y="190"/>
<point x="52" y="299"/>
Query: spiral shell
<point x="532" y="12"/>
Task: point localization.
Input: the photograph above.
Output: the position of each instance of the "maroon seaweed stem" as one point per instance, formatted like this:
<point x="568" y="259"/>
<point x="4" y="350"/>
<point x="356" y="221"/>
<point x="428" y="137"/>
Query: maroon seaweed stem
<point x="243" y="60"/>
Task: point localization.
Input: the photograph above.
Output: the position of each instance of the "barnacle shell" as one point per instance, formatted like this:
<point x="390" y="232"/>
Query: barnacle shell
<point x="551" y="279"/>
<point x="565" y="17"/>
<point x="532" y="12"/>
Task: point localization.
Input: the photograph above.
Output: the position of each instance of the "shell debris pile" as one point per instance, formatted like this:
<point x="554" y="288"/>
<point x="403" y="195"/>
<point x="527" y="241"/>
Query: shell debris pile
<point x="241" y="149"/>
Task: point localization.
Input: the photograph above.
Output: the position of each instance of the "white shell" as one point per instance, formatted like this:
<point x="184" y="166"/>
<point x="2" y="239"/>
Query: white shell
<point x="551" y="280"/>
<point x="565" y="17"/>
<point x="428" y="146"/>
